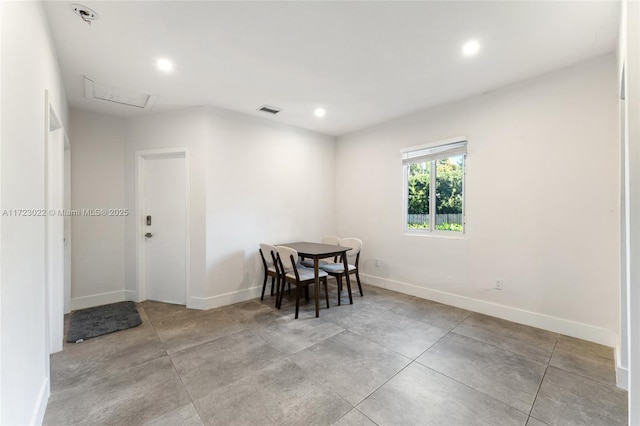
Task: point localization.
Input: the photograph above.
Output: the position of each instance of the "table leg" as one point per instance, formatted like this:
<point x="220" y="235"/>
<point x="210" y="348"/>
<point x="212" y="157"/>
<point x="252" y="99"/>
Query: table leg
<point x="346" y="273"/>
<point x="317" y="289"/>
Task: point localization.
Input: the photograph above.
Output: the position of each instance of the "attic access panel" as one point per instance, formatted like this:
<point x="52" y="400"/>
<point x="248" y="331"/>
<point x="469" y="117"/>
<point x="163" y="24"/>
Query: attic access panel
<point x="118" y="95"/>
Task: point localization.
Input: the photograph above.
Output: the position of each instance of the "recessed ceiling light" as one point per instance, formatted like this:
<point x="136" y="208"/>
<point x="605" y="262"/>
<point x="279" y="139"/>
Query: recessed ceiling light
<point x="470" y="48"/>
<point x="320" y="112"/>
<point x="164" y="65"/>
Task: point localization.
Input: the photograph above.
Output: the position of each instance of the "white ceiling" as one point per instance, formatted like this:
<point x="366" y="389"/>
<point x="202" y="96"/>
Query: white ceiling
<point x="365" y="62"/>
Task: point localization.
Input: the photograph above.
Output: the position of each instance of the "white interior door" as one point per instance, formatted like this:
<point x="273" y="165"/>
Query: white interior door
<point x="164" y="227"/>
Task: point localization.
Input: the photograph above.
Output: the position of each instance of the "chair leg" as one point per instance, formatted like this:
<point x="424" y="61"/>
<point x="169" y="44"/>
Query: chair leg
<point x="273" y="280"/>
<point x="279" y="301"/>
<point x="339" y="280"/>
<point x="277" y="290"/>
<point x="359" y="285"/>
<point x="306" y="293"/>
<point x="297" y="299"/>
<point x="264" y="285"/>
<point x="326" y="291"/>
<point x="349" y="290"/>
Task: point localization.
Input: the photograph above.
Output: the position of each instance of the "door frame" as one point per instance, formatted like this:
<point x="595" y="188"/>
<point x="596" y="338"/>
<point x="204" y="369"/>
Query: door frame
<point x="67" y="225"/>
<point x="141" y="157"/>
<point x="55" y="142"/>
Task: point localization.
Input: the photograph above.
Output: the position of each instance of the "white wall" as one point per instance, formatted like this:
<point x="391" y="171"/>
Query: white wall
<point x="97" y="170"/>
<point x="265" y="182"/>
<point x="29" y="67"/>
<point x="187" y="128"/>
<point x="252" y="181"/>
<point x="542" y="203"/>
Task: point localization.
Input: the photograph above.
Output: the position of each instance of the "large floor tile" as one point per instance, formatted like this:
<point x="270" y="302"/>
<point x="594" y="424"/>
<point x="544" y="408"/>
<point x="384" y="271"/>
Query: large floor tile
<point x="336" y="313"/>
<point x="215" y="364"/>
<point x="380" y="297"/>
<point x="163" y="311"/>
<point x="307" y="308"/>
<point x="183" y="416"/>
<point x="421" y="396"/>
<point x="281" y="394"/>
<point x="585" y="358"/>
<point x="131" y="396"/>
<point x="165" y="316"/>
<point x="344" y="294"/>
<point x="433" y="313"/>
<point x="535" y="422"/>
<point x="290" y="336"/>
<point x="252" y="312"/>
<point x="508" y="377"/>
<point x="531" y="342"/>
<point x="354" y="418"/>
<point x="568" y="399"/>
<point x="350" y="365"/>
<point x="104" y="354"/>
<point x="193" y="328"/>
<point x="233" y="357"/>
<point x="399" y="333"/>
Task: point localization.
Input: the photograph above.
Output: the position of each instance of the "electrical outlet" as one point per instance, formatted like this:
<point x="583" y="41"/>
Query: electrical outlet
<point x="377" y="263"/>
<point x="499" y="284"/>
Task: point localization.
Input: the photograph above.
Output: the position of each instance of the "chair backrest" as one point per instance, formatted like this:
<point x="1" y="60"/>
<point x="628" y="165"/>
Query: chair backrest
<point x="285" y="254"/>
<point x="333" y="240"/>
<point x="268" y="253"/>
<point x="354" y="243"/>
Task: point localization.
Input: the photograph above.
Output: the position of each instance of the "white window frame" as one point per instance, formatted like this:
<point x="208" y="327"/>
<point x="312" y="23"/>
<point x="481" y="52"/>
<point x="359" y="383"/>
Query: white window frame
<point x="433" y="151"/>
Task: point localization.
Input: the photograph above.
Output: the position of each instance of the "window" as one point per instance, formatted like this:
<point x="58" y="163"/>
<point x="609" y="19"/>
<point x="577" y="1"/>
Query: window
<point x="434" y="188"/>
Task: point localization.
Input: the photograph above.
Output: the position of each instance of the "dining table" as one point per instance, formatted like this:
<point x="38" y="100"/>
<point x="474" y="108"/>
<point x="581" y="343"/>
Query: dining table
<point x="318" y="251"/>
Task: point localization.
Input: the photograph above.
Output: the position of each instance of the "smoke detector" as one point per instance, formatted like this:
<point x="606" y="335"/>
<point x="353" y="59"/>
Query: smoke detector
<point x="87" y="14"/>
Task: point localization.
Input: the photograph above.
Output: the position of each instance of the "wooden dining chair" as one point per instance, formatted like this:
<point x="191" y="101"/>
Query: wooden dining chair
<point x="297" y="275"/>
<point x="271" y="269"/>
<point x="332" y="240"/>
<point x="337" y="269"/>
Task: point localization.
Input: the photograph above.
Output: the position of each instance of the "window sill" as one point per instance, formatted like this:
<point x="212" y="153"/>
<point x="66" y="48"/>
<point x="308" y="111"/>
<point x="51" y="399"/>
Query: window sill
<point x="441" y="234"/>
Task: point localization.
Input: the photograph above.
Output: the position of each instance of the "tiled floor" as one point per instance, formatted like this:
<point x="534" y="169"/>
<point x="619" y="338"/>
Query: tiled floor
<point x="388" y="359"/>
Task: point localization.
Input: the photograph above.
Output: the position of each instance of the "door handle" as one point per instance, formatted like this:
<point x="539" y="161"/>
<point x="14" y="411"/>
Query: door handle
<point x="148" y="235"/>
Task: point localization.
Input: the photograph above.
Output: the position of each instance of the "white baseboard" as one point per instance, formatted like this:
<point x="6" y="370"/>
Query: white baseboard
<point x="622" y="378"/>
<point x="131" y="296"/>
<point x="193" y="303"/>
<point x="97" y="299"/>
<point x="41" y="403"/>
<point x="564" y="326"/>
<point x="622" y="373"/>
<point x="224" y="299"/>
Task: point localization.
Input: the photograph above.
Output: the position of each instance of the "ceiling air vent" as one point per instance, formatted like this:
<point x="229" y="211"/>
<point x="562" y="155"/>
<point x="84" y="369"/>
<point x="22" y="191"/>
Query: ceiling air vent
<point x="118" y="95"/>
<point x="269" y="109"/>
